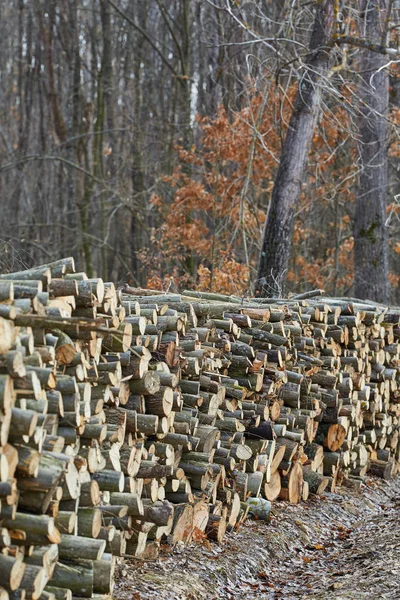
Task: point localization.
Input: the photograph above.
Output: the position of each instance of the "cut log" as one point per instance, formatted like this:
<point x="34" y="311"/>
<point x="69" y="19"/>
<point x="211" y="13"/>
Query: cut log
<point x="331" y="436"/>
<point x="183" y="523"/>
<point x="272" y="489"/>
<point x="317" y="483"/>
<point x="72" y="546"/>
<point x="292" y="485"/>
<point x="382" y="469"/>
<point x="75" y="577"/>
<point x="11" y="571"/>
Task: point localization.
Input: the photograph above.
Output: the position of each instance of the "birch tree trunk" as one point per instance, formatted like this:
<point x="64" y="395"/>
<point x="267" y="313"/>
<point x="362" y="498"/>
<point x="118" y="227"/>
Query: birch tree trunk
<point x="275" y="250"/>
<point x="370" y="233"/>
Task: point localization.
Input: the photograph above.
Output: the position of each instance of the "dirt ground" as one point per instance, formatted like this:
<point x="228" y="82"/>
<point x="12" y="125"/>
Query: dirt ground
<point x="344" y="546"/>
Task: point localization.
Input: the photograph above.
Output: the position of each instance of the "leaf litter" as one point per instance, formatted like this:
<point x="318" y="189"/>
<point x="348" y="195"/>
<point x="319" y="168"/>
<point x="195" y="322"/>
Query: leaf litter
<point x="343" y="546"/>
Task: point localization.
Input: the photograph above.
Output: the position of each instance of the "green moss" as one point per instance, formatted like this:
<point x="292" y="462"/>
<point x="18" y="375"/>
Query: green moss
<point x="369" y="233"/>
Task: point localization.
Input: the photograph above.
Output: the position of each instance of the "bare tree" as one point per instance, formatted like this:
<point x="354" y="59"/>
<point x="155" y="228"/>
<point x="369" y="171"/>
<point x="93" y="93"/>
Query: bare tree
<point x="370" y="232"/>
<point x="276" y="243"/>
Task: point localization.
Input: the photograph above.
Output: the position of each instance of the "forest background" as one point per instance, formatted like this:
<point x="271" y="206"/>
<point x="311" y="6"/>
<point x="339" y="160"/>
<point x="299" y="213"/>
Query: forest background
<point x="144" y="138"/>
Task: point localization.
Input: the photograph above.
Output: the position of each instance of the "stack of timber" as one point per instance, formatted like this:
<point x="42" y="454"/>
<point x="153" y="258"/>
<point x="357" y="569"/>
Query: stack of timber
<point x="129" y="416"/>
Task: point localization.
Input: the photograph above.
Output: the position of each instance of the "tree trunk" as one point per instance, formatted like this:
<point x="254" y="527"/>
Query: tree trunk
<point x="370" y="233"/>
<point x="277" y="235"/>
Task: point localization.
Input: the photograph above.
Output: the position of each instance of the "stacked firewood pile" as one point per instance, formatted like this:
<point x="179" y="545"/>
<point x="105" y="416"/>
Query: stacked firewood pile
<point x="130" y="416"/>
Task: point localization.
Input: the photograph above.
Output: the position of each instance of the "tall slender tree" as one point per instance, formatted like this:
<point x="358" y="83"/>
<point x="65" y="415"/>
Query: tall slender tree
<point x="275" y="250"/>
<point x="370" y="234"/>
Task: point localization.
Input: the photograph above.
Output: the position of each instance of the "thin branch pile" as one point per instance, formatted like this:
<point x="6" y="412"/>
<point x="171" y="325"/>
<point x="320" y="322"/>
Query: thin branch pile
<point x="130" y="416"/>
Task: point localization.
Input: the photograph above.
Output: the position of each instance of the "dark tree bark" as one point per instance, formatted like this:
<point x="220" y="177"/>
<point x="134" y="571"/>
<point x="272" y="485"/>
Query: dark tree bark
<point x="370" y="234"/>
<point x="138" y="216"/>
<point x="275" y="250"/>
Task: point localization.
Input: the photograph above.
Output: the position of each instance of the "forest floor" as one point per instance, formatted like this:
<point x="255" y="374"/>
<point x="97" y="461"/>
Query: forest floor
<point x="343" y="546"/>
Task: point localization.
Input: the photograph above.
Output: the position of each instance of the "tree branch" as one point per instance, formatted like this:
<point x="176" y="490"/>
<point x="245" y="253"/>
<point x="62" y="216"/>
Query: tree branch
<point x="362" y="43"/>
<point x="145" y="35"/>
<point x="32" y="157"/>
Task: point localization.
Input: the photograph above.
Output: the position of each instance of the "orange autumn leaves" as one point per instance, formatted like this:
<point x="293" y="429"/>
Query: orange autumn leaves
<point x="212" y="207"/>
<point x="211" y="229"/>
